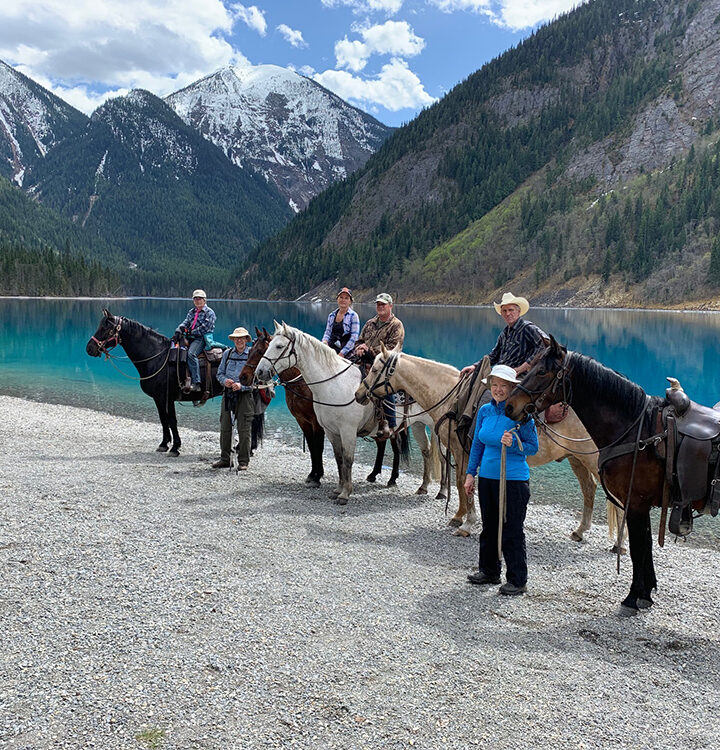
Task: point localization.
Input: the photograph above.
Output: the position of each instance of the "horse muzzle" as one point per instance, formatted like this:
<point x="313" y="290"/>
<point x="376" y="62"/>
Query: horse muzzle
<point x="361" y="395"/>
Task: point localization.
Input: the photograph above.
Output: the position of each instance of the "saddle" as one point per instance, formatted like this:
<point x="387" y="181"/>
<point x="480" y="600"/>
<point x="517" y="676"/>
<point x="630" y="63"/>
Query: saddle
<point x="211" y="359"/>
<point x="692" y="465"/>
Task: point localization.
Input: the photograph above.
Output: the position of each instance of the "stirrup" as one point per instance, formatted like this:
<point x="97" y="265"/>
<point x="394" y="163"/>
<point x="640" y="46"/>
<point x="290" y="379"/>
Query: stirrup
<point x="681" y="520"/>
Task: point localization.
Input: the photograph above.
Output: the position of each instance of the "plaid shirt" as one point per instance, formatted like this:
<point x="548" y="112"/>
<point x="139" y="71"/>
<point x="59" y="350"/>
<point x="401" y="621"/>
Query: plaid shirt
<point x="517" y="344"/>
<point x="205" y="322"/>
<point x="351" y="325"/>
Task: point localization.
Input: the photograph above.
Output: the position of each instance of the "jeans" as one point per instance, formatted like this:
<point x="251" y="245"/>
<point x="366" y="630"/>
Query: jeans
<point x="193" y="350"/>
<point x="513" y="534"/>
<point x="389" y="409"/>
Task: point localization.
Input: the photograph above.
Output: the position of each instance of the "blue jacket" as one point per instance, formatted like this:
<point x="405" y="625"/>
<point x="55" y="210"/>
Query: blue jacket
<point x="486" y="446"/>
<point x="231" y="366"/>
<point x="351" y="325"/>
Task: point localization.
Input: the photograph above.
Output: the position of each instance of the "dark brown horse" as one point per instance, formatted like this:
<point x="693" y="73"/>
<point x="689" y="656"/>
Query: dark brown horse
<point x="149" y="351"/>
<point x="299" y="400"/>
<point x="618" y="415"/>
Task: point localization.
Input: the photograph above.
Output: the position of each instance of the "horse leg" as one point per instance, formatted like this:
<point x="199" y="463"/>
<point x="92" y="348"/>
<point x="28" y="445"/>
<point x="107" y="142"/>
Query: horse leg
<point x="315" y="440"/>
<point x="421" y="438"/>
<point x="395" y="473"/>
<point x="588" y="485"/>
<point x="466" y="502"/>
<point x="344" y="449"/>
<point x="172" y="423"/>
<point x="379" y="455"/>
<point x="162" y="413"/>
<point x="640" y="538"/>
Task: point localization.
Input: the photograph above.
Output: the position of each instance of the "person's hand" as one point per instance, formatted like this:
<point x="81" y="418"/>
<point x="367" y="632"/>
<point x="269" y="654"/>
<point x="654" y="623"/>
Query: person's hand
<point x="340" y="354"/>
<point x="507" y="438"/>
<point x="177" y="336"/>
<point x="360" y="349"/>
<point x="327" y="343"/>
<point x="228" y="383"/>
<point x="469" y="484"/>
<point x="236" y="386"/>
<point x="466" y="370"/>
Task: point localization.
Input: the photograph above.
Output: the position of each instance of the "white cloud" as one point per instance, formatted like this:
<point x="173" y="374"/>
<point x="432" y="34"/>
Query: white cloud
<point x="390" y="38"/>
<point x="364" y="6"/>
<point x="88" y="50"/>
<point x="252" y="16"/>
<point x="511" y="14"/>
<point x="395" y="88"/>
<point x="291" y="35"/>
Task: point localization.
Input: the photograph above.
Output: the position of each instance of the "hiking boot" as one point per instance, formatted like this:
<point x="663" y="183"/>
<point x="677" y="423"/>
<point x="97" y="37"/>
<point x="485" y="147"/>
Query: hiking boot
<point x="195" y="388"/>
<point x="221" y="464"/>
<point x="482" y="579"/>
<point x="510" y="589"/>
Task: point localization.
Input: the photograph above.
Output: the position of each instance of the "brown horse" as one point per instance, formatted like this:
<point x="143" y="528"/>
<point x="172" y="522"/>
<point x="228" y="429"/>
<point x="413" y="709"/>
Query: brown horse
<point x="299" y="400"/>
<point x="432" y="385"/>
<point x="616" y="413"/>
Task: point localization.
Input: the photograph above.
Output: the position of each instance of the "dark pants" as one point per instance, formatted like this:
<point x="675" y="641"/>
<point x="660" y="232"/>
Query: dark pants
<point x="513" y="536"/>
<point x="243" y="407"/>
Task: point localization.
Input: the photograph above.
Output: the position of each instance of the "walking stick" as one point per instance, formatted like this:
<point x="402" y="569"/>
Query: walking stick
<point x="502" y="498"/>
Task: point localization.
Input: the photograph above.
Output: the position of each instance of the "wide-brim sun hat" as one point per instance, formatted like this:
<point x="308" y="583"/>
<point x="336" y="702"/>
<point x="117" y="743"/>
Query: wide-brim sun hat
<point x="240" y="333"/>
<point x="199" y="293"/>
<point x="510" y="299"/>
<point x="503" y="372"/>
<point x="345" y="290"/>
<point x="384" y="297"/>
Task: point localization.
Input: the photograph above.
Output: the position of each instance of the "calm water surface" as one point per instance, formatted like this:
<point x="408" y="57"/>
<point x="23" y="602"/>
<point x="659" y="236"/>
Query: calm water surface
<point x="42" y="354"/>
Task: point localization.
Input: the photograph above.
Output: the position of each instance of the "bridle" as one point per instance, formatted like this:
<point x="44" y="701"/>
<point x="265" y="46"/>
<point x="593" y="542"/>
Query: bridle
<point x="104" y="345"/>
<point x="291" y="346"/>
<point x="538" y="396"/>
<point x="386" y="372"/>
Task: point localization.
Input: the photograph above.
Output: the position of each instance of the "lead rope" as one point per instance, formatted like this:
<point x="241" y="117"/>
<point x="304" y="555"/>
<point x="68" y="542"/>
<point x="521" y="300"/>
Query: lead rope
<point x="621" y="530"/>
<point x="502" y="500"/>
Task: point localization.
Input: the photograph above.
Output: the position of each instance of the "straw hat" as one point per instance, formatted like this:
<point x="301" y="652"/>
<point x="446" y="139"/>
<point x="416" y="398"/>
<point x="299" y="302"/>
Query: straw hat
<point x="510" y="299"/>
<point x="502" y="371"/>
<point x="240" y="333"/>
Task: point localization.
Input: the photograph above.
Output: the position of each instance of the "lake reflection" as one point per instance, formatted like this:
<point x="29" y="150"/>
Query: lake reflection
<point x="42" y="355"/>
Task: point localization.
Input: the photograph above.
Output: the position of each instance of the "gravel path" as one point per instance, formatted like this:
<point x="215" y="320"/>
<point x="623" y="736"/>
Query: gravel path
<point x="153" y="602"/>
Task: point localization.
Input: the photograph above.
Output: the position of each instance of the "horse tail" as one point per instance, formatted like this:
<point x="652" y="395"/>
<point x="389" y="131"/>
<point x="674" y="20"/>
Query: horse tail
<point x="404" y="448"/>
<point x="435" y="457"/>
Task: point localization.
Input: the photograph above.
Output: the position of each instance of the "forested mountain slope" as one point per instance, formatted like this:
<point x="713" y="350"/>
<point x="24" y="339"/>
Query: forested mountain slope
<point x="579" y="167"/>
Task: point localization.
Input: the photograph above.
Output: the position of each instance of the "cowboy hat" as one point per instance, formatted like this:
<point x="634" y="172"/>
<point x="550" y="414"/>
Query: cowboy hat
<point x="240" y="333"/>
<point x="199" y="293"/>
<point x="502" y="371"/>
<point x="510" y="299"/>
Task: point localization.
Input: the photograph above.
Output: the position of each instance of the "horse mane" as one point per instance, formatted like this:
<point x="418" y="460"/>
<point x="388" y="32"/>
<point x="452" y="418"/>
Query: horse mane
<point x="138" y="329"/>
<point x="607" y="385"/>
<point x="322" y="352"/>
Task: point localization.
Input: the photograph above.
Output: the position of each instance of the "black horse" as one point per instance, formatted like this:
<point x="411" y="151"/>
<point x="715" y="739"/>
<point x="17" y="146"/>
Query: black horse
<point x="149" y="351"/>
<point x="623" y="421"/>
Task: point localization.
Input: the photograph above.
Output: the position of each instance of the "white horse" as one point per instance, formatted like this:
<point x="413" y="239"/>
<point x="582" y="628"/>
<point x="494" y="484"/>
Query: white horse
<point x="432" y="385"/>
<point x="333" y="382"/>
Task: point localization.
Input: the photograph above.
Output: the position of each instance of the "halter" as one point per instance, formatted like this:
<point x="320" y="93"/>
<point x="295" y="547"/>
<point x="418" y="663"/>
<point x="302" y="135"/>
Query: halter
<point x="537" y="401"/>
<point x="115" y="337"/>
<point x="290" y="345"/>
<point x="387" y="370"/>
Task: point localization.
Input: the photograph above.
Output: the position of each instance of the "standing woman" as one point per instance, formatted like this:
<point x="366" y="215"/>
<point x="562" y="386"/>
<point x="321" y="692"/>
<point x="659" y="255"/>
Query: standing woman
<point x="493" y="430"/>
<point x="343" y="325"/>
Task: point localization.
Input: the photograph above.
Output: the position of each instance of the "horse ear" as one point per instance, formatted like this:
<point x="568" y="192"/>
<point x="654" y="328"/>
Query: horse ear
<point x="556" y="349"/>
<point x="383" y="348"/>
<point x="266" y="333"/>
<point x="278" y="327"/>
<point x="106" y="312"/>
<point x="257" y="332"/>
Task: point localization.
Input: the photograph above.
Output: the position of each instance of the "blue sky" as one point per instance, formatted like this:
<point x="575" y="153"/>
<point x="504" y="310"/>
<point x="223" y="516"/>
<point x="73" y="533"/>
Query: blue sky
<point x="389" y="57"/>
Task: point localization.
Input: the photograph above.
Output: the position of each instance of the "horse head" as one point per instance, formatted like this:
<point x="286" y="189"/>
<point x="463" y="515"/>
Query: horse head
<point x="377" y="383"/>
<point x="106" y="336"/>
<point x="255" y="354"/>
<point x="279" y="353"/>
<point x="542" y="386"/>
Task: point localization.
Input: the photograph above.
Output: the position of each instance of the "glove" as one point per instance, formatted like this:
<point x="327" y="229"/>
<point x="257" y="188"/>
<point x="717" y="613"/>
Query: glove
<point x="177" y="336"/>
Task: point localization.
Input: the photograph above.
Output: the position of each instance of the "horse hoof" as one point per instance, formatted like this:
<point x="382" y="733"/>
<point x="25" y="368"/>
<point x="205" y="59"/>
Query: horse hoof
<point x="370" y="477"/>
<point x="421" y="491"/>
<point x="312" y="482"/>
<point x="441" y="496"/>
<point x="614" y="550"/>
<point x="576" y="537"/>
<point x="391" y="483"/>
<point x="645" y="603"/>
<point x="625" y="611"/>
<point x="341" y="501"/>
<point x="455" y="522"/>
<point x="333" y="494"/>
<point x="174" y="452"/>
<point x="161" y="448"/>
<point x="461" y="532"/>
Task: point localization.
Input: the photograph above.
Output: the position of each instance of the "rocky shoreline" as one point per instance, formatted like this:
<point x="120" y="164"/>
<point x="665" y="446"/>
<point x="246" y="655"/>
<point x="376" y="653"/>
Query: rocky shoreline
<point x="151" y="602"/>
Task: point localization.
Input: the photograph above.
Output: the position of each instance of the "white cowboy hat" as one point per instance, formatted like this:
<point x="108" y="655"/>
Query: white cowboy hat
<point x="502" y="371"/>
<point x="240" y="333"/>
<point x="199" y="293"/>
<point x="510" y="299"/>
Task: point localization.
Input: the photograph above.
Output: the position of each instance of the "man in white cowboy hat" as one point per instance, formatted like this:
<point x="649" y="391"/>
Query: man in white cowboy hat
<point x="519" y="341"/>
<point x="198" y="323"/>
<point x="237" y="401"/>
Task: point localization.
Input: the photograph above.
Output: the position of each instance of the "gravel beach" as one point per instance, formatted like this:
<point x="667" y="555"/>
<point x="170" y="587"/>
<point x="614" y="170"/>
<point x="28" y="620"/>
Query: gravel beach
<point x="151" y="602"/>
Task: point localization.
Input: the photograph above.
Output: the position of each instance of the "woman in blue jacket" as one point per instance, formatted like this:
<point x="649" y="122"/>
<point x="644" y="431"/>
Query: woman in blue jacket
<point x="493" y="430"/>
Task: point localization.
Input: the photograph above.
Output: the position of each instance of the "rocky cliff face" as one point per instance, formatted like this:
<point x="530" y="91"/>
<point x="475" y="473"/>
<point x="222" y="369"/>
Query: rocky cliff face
<point x="32" y="121"/>
<point x="288" y="128"/>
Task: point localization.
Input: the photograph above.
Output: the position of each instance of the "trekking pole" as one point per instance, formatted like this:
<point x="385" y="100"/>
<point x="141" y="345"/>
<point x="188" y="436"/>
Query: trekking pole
<point x="502" y="498"/>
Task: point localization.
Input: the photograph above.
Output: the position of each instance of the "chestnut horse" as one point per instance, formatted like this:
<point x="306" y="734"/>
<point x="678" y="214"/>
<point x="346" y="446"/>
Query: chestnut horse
<point x="614" y="410"/>
<point x="432" y="385"/>
<point x="299" y="400"/>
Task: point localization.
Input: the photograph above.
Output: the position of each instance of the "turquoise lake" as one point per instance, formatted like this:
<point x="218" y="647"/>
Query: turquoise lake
<point x="42" y="355"/>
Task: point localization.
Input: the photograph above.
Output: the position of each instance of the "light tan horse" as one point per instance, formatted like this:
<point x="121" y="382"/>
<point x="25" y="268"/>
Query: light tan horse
<point x="432" y="386"/>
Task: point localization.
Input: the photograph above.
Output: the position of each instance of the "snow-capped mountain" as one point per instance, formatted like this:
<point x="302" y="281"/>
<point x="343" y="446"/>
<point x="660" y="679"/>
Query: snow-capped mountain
<point x="296" y="133"/>
<point x="32" y="121"/>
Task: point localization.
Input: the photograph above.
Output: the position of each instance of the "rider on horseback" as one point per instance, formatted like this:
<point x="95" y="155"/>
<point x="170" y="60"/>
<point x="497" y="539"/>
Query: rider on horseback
<point x="199" y="322"/>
